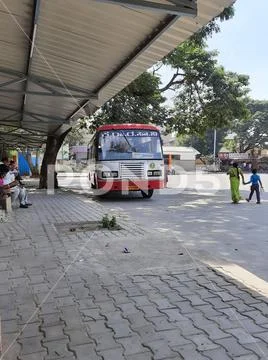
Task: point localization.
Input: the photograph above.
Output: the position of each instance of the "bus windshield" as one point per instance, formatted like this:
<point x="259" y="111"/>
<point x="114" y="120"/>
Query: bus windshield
<point x="129" y="144"/>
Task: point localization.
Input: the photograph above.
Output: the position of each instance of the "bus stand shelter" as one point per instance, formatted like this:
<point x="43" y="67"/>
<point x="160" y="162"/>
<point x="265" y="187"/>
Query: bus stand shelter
<point x="61" y="60"/>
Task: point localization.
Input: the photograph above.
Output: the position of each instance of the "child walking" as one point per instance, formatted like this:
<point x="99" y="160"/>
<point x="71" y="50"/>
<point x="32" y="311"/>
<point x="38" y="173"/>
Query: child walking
<point x="255" y="181"/>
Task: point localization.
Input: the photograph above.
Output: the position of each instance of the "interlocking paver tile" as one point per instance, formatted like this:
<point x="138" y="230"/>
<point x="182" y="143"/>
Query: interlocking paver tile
<point x="202" y="342"/>
<point x="128" y="309"/>
<point x="151" y="310"/>
<point x="105" y="341"/>
<point x="148" y="333"/>
<point x="78" y="337"/>
<point x="190" y="314"/>
<point x="142" y="356"/>
<point x="208" y="311"/>
<point x="260" y="349"/>
<point x="257" y="316"/>
<point x="31" y="345"/>
<point x="247" y="357"/>
<point x="217" y="354"/>
<point x="97" y="327"/>
<point x="36" y="356"/>
<point x="91" y="314"/>
<point x="161" y="350"/>
<point x="174" y="315"/>
<point x="121" y="329"/>
<point x="86" y="352"/>
<point x="132" y="345"/>
<point x="162" y="323"/>
<point x="53" y="333"/>
<point x="189" y="351"/>
<point x="112" y="354"/>
<point x="137" y="320"/>
<point x="106" y="306"/>
<point x="163" y="304"/>
<point x="233" y="347"/>
<point x="243" y="336"/>
<point x="263" y="336"/>
<point x="174" y="337"/>
<point x="141" y="301"/>
<point x="11" y="348"/>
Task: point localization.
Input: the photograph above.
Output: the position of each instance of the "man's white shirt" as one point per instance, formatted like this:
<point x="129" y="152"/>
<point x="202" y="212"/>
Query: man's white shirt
<point x="9" y="178"/>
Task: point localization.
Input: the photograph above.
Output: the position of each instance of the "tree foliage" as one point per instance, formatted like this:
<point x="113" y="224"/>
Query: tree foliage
<point x="252" y="133"/>
<point x="79" y="132"/>
<point x="207" y="96"/>
<point x="213" y="26"/>
<point x="205" y="143"/>
<point x="140" y="102"/>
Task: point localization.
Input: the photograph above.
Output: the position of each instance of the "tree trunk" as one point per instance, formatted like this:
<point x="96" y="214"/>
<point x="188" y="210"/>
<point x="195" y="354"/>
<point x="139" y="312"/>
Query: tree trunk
<point x="52" y="148"/>
<point x="28" y="157"/>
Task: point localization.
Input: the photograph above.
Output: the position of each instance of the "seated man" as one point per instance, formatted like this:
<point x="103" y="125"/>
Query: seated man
<point x="16" y="190"/>
<point x="13" y="169"/>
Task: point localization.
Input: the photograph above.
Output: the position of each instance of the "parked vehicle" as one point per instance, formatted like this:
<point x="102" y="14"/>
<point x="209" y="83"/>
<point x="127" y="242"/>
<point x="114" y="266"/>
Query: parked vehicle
<point x="127" y="157"/>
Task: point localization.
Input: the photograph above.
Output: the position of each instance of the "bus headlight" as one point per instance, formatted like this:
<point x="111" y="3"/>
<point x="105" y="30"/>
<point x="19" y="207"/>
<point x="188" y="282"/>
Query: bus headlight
<point x="109" y="174"/>
<point x="154" y="173"/>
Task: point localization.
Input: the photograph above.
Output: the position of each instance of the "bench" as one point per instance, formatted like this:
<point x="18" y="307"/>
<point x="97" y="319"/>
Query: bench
<point x="6" y="204"/>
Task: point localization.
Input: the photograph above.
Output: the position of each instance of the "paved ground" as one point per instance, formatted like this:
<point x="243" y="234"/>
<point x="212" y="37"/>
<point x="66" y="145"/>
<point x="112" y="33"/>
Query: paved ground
<point x="67" y="294"/>
<point x="197" y="211"/>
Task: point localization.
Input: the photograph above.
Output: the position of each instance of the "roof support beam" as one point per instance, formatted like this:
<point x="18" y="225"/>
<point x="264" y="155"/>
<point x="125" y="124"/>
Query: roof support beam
<point x="40" y="93"/>
<point x="44" y="119"/>
<point x="7" y="71"/>
<point x="12" y="82"/>
<point x="176" y="9"/>
<point x="22" y="136"/>
<point x="52" y="118"/>
<point x="9" y="124"/>
<point x="43" y="81"/>
<point x="9" y="116"/>
<point x="39" y="116"/>
<point x="36" y="9"/>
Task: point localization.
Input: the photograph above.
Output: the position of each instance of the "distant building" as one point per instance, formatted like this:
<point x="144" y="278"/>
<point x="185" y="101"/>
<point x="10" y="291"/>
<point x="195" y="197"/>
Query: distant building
<point x="180" y="158"/>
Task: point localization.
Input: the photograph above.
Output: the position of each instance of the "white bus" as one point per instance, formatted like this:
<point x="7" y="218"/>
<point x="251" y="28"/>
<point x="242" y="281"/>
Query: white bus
<point x="127" y="157"/>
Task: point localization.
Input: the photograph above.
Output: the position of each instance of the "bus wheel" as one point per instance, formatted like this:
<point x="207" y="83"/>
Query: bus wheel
<point x="147" y="194"/>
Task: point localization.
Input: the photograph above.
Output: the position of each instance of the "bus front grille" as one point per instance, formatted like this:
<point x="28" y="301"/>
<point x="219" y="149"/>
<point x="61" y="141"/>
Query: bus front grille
<point x="132" y="170"/>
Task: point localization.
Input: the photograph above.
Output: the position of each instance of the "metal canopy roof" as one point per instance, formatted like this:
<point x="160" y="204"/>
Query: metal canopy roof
<point x="60" y="60"/>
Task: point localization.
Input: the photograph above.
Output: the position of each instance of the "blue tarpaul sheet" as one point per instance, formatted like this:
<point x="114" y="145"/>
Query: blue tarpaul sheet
<point x="24" y="168"/>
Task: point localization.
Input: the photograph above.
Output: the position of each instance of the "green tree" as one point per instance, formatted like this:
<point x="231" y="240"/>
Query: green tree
<point x="140" y="102"/>
<point x="205" y="144"/>
<point x="207" y="96"/>
<point x="79" y="133"/>
<point x="213" y="26"/>
<point x="252" y="133"/>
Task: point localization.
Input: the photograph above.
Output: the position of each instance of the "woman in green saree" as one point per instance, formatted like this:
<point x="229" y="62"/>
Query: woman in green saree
<point x="234" y="174"/>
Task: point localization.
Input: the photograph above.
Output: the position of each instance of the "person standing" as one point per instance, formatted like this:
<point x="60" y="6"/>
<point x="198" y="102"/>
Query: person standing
<point x="255" y="182"/>
<point x="234" y="175"/>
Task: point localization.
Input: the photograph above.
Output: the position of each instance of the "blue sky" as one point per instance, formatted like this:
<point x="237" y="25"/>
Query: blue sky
<point x="242" y="45"/>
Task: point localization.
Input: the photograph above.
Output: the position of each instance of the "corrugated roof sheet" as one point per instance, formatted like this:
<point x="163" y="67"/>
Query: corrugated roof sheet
<point x="84" y="51"/>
